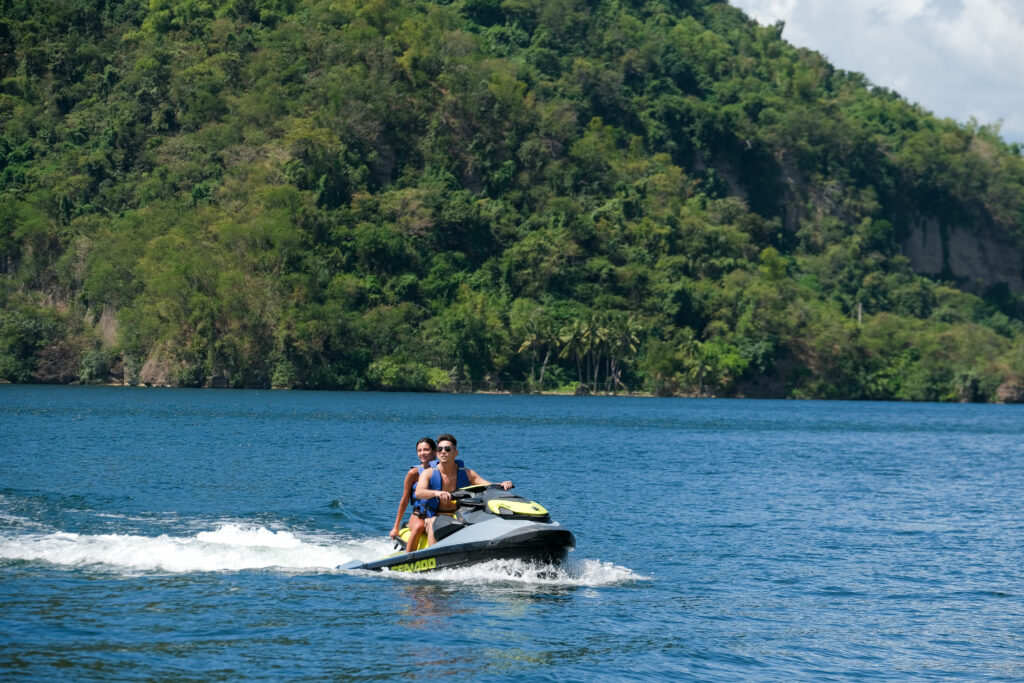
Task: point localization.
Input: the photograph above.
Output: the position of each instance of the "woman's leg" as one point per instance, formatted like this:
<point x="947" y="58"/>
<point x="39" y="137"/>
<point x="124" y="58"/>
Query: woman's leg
<point x="430" y="530"/>
<point x="416" y="527"/>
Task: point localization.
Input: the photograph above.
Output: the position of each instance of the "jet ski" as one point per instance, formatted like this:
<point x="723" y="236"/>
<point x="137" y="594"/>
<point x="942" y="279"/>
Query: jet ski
<point x="490" y="523"/>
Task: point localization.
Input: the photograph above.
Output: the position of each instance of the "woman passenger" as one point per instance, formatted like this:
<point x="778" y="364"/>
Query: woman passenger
<point x="426" y="450"/>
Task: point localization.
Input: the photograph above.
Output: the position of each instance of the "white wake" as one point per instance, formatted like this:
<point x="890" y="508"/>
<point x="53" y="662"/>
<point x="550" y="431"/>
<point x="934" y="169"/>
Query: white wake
<point x="580" y="573"/>
<point x="238" y="547"/>
<point x="230" y="547"/>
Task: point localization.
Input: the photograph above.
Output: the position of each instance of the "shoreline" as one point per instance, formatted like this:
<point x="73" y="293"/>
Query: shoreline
<point x="484" y="392"/>
<point x="494" y="392"/>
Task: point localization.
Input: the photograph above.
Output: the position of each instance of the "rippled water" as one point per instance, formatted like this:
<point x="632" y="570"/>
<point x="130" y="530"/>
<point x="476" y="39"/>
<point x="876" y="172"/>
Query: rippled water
<point x="194" y="535"/>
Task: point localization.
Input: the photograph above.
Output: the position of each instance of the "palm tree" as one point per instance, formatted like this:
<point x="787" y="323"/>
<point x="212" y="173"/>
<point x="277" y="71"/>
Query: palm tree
<point x="574" y="340"/>
<point x="537" y="339"/>
<point x="624" y="342"/>
<point x="539" y="336"/>
<point x="597" y="344"/>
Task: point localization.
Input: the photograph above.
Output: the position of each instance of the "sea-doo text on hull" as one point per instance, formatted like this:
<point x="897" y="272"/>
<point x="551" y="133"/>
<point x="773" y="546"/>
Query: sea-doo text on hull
<point x="490" y="524"/>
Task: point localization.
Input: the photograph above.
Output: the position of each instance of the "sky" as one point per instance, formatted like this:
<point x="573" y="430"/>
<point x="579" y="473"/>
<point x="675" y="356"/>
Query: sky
<point x="955" y="58"/>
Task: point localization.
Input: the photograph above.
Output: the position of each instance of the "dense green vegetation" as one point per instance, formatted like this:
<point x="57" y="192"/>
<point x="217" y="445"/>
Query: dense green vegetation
<point x="402" y="194"/>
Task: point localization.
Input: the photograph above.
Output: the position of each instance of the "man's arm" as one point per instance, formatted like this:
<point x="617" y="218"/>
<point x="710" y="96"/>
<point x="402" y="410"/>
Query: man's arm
<point x="423" y="491"/>
<point x="475" y="478"/>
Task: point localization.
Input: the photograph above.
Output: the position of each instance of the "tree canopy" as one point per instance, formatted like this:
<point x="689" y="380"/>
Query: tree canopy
<point x="655" y="196"/>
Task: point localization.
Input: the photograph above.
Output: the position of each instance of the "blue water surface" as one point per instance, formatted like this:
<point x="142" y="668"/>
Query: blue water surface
<point x="195" y="534"/>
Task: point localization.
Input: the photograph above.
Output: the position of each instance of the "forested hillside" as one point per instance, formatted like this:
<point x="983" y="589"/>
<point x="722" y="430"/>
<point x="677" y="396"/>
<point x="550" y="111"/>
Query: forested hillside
<point x="483" y="194"/>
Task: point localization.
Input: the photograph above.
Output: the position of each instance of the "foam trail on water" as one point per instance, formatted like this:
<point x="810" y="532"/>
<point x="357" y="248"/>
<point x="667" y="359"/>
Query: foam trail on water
<point x="238" y="547"/>
<point x="581" y="573"/>
<point x="231" y="547"/>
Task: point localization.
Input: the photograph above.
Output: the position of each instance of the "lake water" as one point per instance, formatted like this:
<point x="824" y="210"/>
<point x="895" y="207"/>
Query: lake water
<point x="195" y="535"/>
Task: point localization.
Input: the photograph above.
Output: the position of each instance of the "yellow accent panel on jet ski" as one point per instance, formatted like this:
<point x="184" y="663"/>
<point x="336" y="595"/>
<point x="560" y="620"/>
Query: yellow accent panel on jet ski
<point x="403" y="536"/>
<point x="517" y="508"/>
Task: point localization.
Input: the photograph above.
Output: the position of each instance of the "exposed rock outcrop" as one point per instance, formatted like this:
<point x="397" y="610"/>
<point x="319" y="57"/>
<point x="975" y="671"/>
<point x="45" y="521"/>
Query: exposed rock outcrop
<point x="158" y="370"/>
<point x="1011" y="391"/>
<point x="975" y="256"/>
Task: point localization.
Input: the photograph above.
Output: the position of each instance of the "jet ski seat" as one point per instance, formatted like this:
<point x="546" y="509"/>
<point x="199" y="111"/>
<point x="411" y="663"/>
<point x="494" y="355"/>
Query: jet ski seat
<point x="446" y="526"/>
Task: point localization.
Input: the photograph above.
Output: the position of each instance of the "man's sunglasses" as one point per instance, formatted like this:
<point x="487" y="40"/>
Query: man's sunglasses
<point x="445" y="448"/>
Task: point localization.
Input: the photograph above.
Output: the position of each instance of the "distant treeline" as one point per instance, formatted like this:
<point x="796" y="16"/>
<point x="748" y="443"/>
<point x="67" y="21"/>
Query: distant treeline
<point x="407" y="195"/>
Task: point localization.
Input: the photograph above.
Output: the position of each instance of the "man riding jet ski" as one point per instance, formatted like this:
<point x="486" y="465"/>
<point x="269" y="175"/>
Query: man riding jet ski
<point x="464" y="528"/>
<point x="436" y="484"/>
<point x="490" y="524"/>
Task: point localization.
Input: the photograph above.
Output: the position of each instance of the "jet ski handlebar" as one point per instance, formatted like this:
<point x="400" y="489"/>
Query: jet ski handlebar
<point x="470" y="497"/>
<point x="473" y="491"/>
<point x="467" y="499"/>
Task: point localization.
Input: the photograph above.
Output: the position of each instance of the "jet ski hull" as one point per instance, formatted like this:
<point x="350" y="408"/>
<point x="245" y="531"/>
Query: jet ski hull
<point x="537" y="543"/>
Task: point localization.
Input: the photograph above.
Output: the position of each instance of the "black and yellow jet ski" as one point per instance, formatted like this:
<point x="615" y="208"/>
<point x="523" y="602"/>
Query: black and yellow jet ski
<point x="489" y="524"/>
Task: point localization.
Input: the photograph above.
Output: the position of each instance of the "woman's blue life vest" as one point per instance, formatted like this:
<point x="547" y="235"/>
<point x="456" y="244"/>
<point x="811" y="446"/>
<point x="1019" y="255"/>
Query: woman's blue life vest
<point x="461" y="479"/>
<point x="417" y="504"/>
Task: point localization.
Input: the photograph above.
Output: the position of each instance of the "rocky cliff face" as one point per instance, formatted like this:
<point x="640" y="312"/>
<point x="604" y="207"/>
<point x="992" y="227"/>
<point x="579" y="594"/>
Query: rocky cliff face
<point x="976" y="257"/>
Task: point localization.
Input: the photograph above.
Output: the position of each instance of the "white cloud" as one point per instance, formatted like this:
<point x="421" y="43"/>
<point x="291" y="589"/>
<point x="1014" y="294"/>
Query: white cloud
<point x="897" y="12"/>
<point x="954" y="58"/>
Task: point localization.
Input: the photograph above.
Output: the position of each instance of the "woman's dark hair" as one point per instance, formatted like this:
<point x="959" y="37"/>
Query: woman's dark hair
<point x="427" y="440"/>
<point x="448" y="437"/>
